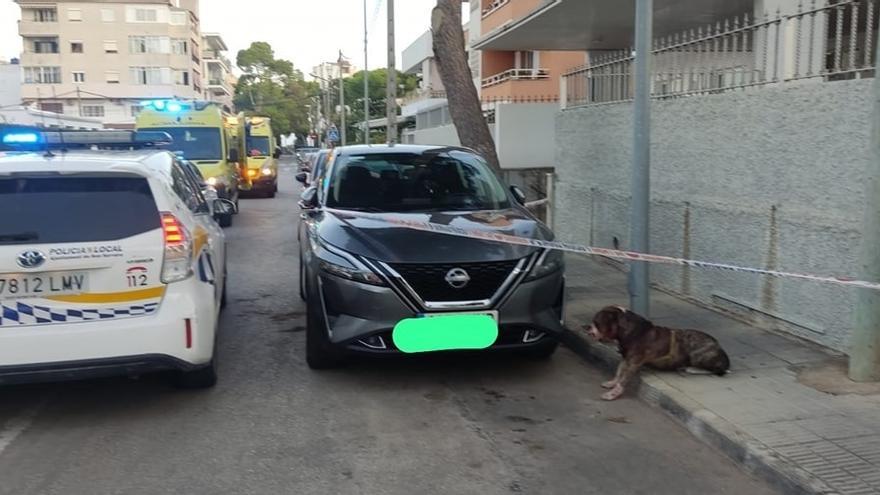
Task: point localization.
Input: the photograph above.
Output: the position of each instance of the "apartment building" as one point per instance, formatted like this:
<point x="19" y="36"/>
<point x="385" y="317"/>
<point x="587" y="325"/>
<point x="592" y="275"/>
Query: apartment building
<point x="219" y="79"/>
<point x="14" y="112"/>
<point x="760" y="138"/>
<point x="101" y="59"/>
<point x="330" y="71"/>
<point x="519" y="89"/>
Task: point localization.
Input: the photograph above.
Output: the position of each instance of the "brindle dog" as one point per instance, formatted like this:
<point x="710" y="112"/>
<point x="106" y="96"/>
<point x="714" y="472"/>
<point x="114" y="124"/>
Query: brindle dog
<point x="641" y="343"/>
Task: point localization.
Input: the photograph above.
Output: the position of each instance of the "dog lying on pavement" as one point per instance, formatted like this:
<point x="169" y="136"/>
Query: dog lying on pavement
<point x="641" y="343"/>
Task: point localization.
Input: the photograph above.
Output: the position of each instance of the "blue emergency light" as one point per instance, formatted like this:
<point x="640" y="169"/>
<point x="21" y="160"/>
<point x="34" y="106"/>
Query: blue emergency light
<point x="175" y="106"/>
<point x="21" y="138"/>
<point x="62" y="140"/>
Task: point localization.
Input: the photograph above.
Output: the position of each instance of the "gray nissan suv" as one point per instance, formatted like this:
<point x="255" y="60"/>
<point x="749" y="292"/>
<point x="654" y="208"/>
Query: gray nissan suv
<point x="374" y="287"/>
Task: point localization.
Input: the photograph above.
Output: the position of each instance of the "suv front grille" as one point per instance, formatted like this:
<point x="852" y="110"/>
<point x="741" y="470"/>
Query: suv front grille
<point x="429" y="280"/>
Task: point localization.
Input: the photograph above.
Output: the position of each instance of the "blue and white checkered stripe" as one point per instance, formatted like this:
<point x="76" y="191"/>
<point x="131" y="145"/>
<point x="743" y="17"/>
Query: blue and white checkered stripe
<point x="27" y="314"/>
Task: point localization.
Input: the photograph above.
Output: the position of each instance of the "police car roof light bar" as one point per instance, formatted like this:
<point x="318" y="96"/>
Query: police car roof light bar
<point x="60" y="140"/>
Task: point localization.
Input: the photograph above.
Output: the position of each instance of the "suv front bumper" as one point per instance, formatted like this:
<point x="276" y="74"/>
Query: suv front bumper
<point x="354" y="312"/>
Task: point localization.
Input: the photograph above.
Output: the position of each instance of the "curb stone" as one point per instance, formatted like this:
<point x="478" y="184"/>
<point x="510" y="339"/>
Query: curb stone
<point x="751" y="454"/>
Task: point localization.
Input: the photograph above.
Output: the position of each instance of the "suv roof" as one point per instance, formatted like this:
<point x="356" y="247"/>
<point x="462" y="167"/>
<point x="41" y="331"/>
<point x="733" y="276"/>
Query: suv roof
<point x="143" y="162"/>
<point x="397" y="148"/>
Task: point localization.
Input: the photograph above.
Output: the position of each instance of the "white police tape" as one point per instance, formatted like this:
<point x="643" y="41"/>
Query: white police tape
<point x="594" y="251"/>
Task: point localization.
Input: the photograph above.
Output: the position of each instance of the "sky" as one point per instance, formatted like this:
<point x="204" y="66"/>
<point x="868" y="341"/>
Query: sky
<point x="306" y="32"/>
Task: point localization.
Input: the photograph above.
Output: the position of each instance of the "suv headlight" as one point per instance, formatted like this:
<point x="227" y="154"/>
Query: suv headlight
<point x="268" y="172"/>
<point x="551" y="261"/>
<point x="343" y="265"/>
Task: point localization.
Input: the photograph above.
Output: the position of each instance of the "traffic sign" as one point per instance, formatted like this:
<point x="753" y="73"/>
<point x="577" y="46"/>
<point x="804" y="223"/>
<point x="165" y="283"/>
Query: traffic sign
<point x="333" y="135"/>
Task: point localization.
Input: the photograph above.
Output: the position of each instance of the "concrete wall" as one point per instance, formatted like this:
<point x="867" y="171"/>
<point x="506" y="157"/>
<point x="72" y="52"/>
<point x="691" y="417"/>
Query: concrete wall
<point x="525" y="135"/>
<point x="769" y="178"/>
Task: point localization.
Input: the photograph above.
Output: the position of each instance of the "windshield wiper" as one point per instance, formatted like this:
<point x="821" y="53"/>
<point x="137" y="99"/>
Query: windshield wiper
<point x="365" y="209"/>
<point x="19" y="237"/>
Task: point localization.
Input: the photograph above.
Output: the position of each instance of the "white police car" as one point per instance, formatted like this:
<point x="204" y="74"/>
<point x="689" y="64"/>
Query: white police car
<point x="110" y="261"/>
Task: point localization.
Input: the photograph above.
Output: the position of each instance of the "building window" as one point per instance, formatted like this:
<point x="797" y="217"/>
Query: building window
<point x="178" y="18"/>
<point x="108" y="15"/>
<point x="526" y="60"/>
<point x="53" y="107"/>
<point x="42" y="75"/>
<point x="179" y="46"/>
<point x="135" y="110"/>
<point x="92" y="111"/>
<point x="148" y="44"/>
<point x="76" y="47"/>
<point x="150" y="75"/>
<point x="146" y="15"/>
<point x="111" y="47"/>
<point x="75" y="15"/>
<point x="45" y="15"/>
<point x="111" y="77"/>
<point x="45" y="45"/>
<point x="181" y="77"/>
<point x="79" y="77"/>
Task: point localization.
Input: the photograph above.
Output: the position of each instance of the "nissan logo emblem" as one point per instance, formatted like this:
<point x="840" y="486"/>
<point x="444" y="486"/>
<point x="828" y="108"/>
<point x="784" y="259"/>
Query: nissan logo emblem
<point x="31" y="259"/>
<point x="457" y="278"/>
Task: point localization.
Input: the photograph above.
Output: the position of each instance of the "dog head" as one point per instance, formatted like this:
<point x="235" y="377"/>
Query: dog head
<point x="614" y="322"/>
<point x="606" y="324"/>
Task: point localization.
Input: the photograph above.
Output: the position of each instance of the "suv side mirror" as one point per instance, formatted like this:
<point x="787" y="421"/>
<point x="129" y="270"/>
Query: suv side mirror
<point x="303" y="178"/>
<point x="518" y="195"/>
<point x="233" y="155"/>
<point x="277" y="154"/>
<point x="308" y="200"/>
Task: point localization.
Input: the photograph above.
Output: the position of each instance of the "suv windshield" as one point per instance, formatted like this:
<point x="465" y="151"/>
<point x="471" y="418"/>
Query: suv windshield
<point x="451" y="180"/>
<point x="258" y="145"/>
<point x="196" y="143"/>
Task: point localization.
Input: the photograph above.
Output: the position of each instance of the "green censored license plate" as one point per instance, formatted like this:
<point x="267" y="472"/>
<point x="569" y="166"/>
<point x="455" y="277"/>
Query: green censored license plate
<point x="446" y="333"/>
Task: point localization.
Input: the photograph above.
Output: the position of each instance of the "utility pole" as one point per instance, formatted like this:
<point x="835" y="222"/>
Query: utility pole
<point x="639" y="274"/>
<point x="366" y="82"/>
<point x="864" y="355"/>
<point x="391" y="90"/>
<point x="341" y="100"/>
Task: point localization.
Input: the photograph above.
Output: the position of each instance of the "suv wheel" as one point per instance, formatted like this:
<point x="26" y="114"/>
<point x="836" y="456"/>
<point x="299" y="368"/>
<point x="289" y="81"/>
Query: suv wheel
<point x="320" y="354"/>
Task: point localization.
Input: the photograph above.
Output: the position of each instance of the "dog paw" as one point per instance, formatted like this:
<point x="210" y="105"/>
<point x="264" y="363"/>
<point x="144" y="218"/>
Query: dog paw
<point x="613" y="394"/>
<point x="609" y="384"/>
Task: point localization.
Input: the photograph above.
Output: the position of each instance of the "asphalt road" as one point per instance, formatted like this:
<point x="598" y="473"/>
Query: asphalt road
<point x="445" y="424"/>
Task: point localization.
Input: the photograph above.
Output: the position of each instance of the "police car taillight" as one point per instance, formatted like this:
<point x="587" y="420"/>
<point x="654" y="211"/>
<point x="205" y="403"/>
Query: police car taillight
<point x="177" y="265"/>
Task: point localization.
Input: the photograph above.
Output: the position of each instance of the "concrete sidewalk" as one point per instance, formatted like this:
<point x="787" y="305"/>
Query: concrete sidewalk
<point x="787" y="413"/>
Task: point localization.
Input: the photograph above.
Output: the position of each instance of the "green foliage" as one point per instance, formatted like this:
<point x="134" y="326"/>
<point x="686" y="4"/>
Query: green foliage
<point x="274" y="88"/>
<point x="354" y="98"/>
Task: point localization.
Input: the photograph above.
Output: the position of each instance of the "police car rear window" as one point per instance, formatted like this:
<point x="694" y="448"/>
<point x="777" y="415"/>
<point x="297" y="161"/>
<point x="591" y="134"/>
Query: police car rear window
<point x="55" y="209"/>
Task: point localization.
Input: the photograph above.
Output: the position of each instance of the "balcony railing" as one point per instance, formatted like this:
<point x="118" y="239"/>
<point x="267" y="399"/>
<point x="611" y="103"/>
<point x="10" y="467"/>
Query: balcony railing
<point x="832" y="41"/>
<point x="425" y="94"/>
<point x="517" y="75"/>
<point x="493" y="6"/>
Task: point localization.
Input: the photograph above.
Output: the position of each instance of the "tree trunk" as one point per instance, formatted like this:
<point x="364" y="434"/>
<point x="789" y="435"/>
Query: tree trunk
<point x="464" y="102"/>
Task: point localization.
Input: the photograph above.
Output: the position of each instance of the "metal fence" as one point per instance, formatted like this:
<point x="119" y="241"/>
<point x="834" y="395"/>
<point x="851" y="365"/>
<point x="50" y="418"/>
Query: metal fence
<point x="824" y="39"/>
